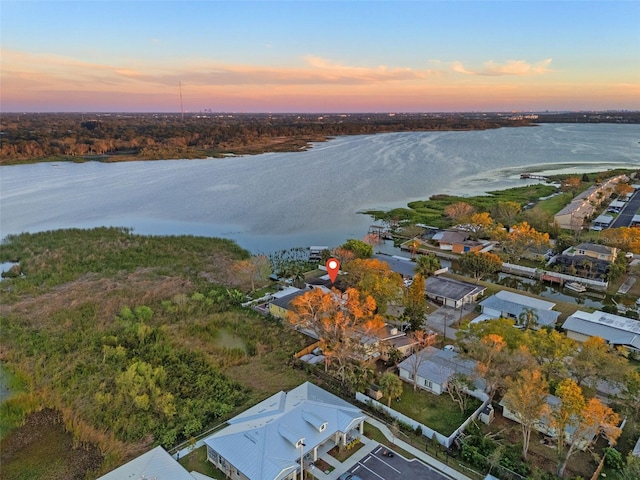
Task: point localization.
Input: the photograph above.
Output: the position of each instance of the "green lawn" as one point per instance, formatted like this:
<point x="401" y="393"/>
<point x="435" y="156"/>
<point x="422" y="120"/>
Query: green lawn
<point x="197" y="461"/>
<point x="555" y="204"/>
<point x="438" y="412"/>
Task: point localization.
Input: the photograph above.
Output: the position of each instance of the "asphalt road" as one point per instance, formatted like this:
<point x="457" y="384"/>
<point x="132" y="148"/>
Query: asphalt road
<point x="624" y="219"/>
<point x="376" y="466"/>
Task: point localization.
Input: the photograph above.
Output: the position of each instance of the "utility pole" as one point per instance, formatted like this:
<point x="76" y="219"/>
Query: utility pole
<point x="181" y="107"/>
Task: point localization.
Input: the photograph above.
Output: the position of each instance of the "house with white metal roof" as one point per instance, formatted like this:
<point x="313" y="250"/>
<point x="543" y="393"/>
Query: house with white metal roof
<point x="156" y="464"/>
<point x="506" y="304"/>
<point x="269" y="440"/>
<point x="614" y="329"/>
<point x="431" y="369"/>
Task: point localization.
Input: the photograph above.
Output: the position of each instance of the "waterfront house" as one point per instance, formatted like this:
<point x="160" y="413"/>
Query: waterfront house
<point x="594" y="250"/>
<point x="588" y="259"/>
<point x="450" y="292"/>
<point x="506" y="304"/>
<point x="449" y="238"/>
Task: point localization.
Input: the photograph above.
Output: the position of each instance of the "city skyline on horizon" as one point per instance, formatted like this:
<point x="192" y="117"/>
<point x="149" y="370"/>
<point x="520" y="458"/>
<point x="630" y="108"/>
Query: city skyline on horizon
<point x="319" y="57"/>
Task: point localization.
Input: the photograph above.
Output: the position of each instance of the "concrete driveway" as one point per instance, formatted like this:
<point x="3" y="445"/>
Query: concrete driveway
<point x="445" y="319"/>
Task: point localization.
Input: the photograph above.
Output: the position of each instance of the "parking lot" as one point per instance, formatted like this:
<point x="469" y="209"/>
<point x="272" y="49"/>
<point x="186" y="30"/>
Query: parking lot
<point x="376" y="466"/>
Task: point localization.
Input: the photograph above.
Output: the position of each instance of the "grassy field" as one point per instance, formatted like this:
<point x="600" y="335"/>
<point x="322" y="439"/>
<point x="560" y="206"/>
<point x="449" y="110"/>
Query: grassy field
<point x="554" y="204"/>
<point x="431" y="211"/>
<point x="104" y="305"/>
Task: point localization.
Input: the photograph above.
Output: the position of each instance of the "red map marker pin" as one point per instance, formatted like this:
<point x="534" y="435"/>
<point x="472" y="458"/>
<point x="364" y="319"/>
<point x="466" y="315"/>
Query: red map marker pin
<point x="333" y="267"/>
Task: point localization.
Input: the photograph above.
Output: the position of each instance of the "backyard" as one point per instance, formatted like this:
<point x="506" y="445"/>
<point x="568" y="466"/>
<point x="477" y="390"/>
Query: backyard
<point x="438" y="412"/>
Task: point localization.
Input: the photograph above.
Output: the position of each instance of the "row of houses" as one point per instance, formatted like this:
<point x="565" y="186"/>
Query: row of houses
<point x="584" y="205"/>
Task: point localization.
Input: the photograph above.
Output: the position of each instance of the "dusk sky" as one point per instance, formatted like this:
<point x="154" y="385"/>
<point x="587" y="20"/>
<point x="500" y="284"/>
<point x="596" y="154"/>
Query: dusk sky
<point x="329" y="56"/>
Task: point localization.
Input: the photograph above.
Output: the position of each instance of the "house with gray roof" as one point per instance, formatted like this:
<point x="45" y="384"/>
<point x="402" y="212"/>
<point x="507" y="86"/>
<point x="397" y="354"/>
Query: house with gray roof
<point x="280" y="305"/>
<point x="588" y="259"/>
<point x="269" y="440"/>
<point x="431" y="369"/>
<point x="544" y="424"/>
<point x="506" y="304"/>
<point x="402" y="265"/>
<point x="449" y="238"/>
<point x="594" y="250"/>
<point x="451" y="293"/>
<point x="156" y="463"/>
<point x="614" y="329"/>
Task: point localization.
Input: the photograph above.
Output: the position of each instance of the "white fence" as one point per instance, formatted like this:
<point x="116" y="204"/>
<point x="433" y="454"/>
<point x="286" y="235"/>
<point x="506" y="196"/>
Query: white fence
<point x="539" y="273"/>
<point x="426" y="431"/>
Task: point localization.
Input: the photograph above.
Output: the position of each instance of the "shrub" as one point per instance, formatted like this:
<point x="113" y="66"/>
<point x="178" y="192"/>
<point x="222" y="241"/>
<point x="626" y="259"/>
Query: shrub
<point x="613" y="459"/>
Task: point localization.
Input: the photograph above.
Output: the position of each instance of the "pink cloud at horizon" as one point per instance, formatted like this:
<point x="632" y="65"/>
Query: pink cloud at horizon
<point x="58" y="83"/>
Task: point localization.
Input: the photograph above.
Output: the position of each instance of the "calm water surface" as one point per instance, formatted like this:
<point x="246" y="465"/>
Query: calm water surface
<point x="273" y="201"/>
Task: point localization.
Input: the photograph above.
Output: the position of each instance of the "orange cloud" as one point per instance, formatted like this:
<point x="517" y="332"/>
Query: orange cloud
<point x="315" y="84"/>
<point x="512" y="67"/>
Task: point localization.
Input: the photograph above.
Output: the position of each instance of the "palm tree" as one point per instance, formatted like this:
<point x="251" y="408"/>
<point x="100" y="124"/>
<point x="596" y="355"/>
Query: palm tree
<point x="427" y="264"/>
<point x="528" y="318"/>
<point x="587" y="265"/>
<point x="390" y="386"/>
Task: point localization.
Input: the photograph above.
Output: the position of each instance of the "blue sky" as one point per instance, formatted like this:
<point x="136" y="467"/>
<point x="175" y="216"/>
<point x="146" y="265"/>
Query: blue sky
<point x="320" y="56"/>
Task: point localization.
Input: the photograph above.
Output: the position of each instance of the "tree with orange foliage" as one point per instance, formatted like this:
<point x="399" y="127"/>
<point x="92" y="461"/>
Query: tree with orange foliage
<point x="340" y="321"/>
<point x="586" y="420"/>
<point x="496" y="360"/>
<point x="480" y="223"/>
<point x="458" y="211"/>
<point x="623" y="189"/>
<point x="570" y="184"/>
<point x="523" y="237"/>
<point x="624" y="238"/>
<point x="595" y="361"/>
<point x="375" y="277"/>
<point x="251" y="271"/>
<point x="416" y="303"/>
<point x="344" y="255"/>
<point x="526" y="397"/>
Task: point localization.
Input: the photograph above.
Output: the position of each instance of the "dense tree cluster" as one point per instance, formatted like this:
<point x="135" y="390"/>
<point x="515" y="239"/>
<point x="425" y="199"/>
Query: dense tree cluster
<point x="113" y="137"/>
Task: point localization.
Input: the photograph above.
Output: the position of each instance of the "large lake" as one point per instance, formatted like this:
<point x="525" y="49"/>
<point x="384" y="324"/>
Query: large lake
<point x="273" y="201"/>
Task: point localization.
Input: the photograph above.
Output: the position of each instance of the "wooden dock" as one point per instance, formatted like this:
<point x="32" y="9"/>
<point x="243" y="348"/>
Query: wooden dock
<point x="533" y="176"/>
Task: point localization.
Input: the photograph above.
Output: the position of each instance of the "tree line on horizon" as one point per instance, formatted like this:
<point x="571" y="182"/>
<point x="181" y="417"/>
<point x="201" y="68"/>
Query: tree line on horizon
<point x="118" y="137"/>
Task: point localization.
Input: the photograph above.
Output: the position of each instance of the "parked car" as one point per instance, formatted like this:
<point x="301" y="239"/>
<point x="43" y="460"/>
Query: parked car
<point x="349" y="476"/>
